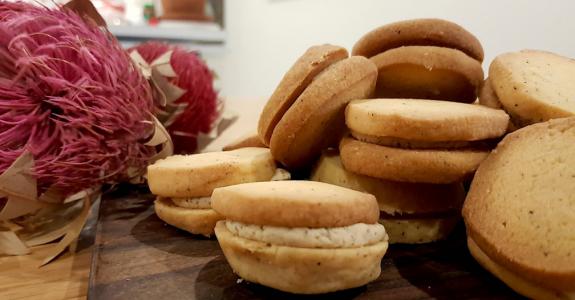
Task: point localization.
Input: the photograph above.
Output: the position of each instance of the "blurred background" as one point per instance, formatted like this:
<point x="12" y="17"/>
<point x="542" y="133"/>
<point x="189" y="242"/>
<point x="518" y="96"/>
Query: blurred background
<point x="251" y="43"/>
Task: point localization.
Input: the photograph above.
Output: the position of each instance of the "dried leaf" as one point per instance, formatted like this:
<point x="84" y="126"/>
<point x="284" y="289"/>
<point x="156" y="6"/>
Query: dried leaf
<point x="48" y="224"/>
<point x="16" y="207"/>
<point x="166" y="142"/>
<point x="163" y="66"/>
<point x="17" y="179"/>
<point x="72" y="233"/>
<point x="10" y="244"/>
<point x="170" y="92"/>
<point x="141" y="63"/>
<point x="52" y="195"/>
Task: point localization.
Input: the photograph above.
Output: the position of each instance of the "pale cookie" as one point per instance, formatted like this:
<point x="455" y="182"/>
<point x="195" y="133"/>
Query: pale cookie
<point x="425" y="120"/>
<point x="250" y="139"/>
<point x="515" y="281"/>
<point x="300" y="75"/>
<point x="393" y="197"/>
<point x="520" y="210"/>
<point x="426" y="72"/>
<point x="419" y="231"/>
<point x="196" y="221"/>
<point x="534" y="86"/>
<point x="419" y="32"/>
<point x="428" y="166"/>
<point x="295" y="204"/>
<point x="301" y="270"/>
<point x="198" y="175"/>
<point x="316" y="119"/>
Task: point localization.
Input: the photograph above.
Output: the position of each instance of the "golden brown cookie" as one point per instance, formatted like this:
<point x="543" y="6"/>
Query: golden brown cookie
<point x="410" y="165"/>
<point x="534" y="86"/>
<point x="516" y="281"/>
<point x="394" y="198"/>
<point x="419" y="32"/>
<point x="196" y="221"/>
<point x="316" y="118"/>
<point x="427" y="72"/>
<point x="301" y="270"/>
<point x="295" y="204"/>
<point x="425" y="120"/>
<point x="520" y="210"/>
<point x="294" y="82"/>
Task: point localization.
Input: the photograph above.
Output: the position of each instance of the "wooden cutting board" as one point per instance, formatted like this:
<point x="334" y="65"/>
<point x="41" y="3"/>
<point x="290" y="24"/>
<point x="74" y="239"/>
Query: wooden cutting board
<point x="137" y="256"/>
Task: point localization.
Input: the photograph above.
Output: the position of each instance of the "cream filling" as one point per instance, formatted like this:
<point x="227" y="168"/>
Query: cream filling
<point x="193" y="203"/>
<point x="352" y="236"/>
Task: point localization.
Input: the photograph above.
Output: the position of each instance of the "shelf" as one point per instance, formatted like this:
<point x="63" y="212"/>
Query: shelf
<point x="203" y="37"/>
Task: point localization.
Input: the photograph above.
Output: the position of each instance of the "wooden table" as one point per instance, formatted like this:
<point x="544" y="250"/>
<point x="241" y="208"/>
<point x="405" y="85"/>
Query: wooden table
<point x="67" y="277"/>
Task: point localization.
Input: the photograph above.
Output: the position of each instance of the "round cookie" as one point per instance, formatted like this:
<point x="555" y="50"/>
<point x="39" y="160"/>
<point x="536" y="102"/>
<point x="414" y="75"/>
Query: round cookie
<point x="516" y="281"/>
<point x="299" y="204"/>
<point x="534" y="86"/>
<point x="428" y="166"/>
<point x="196" y="221"/>
<point x="394" y="198"/>
<point x="419" y="32"/>
<point x="425" y="120"/>
<point x="188" y="176"/>
<point x="427" y="72"/>
<point x="316" y="119"/>
<point x="520" y="210"/>
<point x="294" y="82"/>
<point x="292" y="269"/>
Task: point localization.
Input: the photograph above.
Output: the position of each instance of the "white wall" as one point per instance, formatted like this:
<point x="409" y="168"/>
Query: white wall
<point x="266" y="36"/>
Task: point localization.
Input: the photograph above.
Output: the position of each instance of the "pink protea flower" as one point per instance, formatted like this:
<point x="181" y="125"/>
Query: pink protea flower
<point x="70" y="95"/>
<point x="194" y="76"/>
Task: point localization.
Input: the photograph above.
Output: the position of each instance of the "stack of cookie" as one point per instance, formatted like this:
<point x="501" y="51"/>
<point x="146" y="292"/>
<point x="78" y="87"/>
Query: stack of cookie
<point x="412" y="213"/>
<point x="432" y="145"/>
<point x="424" y="59"/>
<point x="305" y="113"/>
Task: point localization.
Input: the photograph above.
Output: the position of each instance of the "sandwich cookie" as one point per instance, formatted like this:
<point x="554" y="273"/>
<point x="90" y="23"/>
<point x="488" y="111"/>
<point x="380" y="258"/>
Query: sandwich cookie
<point x="410" y="212"/>
<point x="534" y="86"/>
<point x="520" y="211"/>
<point x="419" y="32"/>
<point x="306" y="113"/>
<point x="424" y="59"/>
<point x="300" y="237"/>
<point x="419" y="140"/>
<point x="184" y="184"/>
<point x="427" y="72"/>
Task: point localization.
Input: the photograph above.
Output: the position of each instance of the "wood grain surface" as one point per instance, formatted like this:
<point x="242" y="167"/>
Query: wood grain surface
<point x="137" y="256"/>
